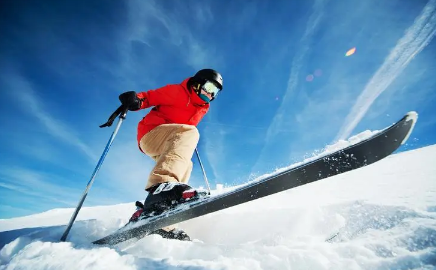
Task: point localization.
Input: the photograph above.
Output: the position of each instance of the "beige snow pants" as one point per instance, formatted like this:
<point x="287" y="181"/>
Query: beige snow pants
<point x="172" y="147"/>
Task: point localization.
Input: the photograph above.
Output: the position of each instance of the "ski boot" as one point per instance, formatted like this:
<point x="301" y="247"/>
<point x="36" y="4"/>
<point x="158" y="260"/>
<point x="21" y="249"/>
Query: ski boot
<point x="164" y="197"/>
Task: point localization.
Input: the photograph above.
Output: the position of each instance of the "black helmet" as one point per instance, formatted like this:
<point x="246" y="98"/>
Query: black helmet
<point x="209" y="75"/>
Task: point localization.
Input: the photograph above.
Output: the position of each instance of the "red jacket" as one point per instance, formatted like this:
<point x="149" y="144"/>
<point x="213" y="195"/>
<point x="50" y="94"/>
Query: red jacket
<point x="173" y="104"/>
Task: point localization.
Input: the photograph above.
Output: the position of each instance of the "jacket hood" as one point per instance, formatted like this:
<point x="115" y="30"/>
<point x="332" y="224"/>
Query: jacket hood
<point x="193" y="96"/>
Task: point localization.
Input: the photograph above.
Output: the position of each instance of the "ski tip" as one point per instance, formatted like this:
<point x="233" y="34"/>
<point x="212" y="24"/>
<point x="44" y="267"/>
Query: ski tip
<point x="410" y="116"/>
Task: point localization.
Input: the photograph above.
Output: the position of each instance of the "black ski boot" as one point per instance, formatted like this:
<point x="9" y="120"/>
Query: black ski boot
<point x="166" y="196"/>
<point x="163" y="197"/>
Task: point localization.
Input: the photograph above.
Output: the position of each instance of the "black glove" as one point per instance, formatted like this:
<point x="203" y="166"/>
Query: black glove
<point x="130" y="101"/>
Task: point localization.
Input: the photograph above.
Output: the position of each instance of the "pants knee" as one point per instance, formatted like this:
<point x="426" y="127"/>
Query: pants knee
<point x="191" y="132"/>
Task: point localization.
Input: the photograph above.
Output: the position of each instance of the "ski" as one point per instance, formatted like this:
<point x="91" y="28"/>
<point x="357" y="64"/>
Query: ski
<point x="361" y="154"/>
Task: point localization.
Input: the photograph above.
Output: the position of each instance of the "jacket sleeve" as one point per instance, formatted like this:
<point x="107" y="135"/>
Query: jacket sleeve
<point x="161" y="96"/>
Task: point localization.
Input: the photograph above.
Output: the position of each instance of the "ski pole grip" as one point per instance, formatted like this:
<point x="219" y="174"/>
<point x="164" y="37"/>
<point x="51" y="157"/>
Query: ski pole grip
<point x="121" y="111"/>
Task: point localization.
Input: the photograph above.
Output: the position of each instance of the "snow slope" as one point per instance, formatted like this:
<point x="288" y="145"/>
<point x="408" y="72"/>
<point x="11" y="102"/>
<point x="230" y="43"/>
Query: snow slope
<point x="385" y="215"/>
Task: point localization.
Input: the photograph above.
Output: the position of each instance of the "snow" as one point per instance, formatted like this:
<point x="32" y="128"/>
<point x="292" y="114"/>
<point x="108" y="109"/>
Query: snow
<point x="384" y="216"/>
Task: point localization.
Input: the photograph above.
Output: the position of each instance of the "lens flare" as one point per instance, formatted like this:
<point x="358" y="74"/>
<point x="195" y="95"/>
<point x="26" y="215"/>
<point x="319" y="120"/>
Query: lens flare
<point x="351" y="51"/>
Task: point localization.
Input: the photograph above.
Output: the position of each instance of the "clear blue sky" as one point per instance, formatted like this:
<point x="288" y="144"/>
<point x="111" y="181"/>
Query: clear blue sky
<point x="289" y="89"/>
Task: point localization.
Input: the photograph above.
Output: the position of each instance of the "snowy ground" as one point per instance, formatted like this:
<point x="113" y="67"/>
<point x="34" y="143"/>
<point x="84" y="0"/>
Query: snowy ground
<point x="385" y="215"/>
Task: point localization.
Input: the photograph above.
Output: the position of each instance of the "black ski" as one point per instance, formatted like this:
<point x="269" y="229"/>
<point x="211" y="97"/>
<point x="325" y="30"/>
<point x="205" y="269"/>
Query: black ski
<point x="353" y="157"/>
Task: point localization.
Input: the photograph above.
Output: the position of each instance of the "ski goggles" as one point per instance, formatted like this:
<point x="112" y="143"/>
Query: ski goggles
<point x="211" y="88"/>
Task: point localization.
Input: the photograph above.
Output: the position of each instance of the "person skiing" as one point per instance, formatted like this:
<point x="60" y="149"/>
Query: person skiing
<point x="168" y="135"/>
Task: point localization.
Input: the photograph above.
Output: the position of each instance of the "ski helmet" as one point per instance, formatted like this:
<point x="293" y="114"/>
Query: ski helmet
<point x="209" y="80"/>
<point x="209" y="75"/>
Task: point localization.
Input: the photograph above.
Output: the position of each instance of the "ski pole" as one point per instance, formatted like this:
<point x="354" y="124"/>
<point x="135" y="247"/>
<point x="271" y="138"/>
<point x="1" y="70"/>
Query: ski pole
<point x="122" y="112"/>
<point x="204" y="172"/>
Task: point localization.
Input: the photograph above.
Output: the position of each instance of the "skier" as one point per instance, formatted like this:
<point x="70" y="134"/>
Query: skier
<point x="168" y="135"/>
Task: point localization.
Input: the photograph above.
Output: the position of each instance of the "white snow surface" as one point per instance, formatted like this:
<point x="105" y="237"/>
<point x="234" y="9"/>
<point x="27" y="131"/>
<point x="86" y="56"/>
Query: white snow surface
<point x="385" y="215"/>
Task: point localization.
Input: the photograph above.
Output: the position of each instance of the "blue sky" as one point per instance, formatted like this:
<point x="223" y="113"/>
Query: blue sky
<point x="64" y="63"/>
